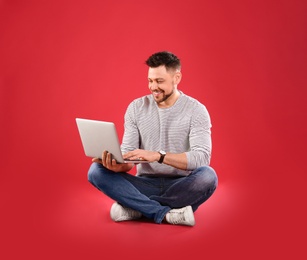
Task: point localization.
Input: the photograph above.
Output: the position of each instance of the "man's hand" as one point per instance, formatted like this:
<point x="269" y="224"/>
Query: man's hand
<point x="150" y="156"/>
<point x="178" y="161"/>
<point x="111" y="164"/>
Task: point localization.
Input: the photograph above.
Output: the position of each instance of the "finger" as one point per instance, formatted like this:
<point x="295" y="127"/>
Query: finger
<point x="104" y="158"/>
<point x="97" y="160"/>
<point x="104" y="155"/>
<point x="114" y="162"/>
<point x="109" y="159"/>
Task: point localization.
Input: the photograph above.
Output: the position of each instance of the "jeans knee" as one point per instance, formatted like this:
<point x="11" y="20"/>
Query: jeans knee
<point x="209" y="176"/>
<point x="93" y="172"/>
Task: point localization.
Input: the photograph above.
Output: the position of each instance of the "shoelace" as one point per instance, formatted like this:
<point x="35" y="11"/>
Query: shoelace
<point x="130" y="212"/>
<point x="177" y="217"/>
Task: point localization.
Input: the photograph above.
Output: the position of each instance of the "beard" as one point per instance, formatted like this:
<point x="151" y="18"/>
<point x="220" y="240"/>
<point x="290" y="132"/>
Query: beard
<point x="165" y="97"/>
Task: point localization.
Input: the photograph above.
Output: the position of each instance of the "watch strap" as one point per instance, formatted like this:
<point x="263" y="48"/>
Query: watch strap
<point x="162" y="155"/>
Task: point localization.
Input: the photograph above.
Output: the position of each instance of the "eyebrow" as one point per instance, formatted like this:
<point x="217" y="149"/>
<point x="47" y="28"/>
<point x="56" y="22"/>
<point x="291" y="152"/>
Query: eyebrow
<point x="156" y="78"/>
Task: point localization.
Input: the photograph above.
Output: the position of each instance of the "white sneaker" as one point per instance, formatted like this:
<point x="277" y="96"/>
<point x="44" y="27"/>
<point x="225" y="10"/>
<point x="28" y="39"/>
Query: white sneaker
<point x="183" y="216"/>
<point x="120" y="213"/>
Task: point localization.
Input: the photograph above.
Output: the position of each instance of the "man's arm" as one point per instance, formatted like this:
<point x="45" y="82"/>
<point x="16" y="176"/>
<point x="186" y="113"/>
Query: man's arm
<point x="178" y="161"/>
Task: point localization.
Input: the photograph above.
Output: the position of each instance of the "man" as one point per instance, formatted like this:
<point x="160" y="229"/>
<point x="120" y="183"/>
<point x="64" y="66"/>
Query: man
<point x="171" y="131"/>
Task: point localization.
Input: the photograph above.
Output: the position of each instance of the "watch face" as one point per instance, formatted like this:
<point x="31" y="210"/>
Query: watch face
<point x="162" y="156"/>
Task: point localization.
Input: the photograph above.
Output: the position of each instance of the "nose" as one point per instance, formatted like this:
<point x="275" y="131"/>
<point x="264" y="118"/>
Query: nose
<point x="152" y="85"/>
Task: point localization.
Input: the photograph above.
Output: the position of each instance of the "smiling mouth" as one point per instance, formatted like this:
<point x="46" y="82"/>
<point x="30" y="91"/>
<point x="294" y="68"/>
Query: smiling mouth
<point x="157" y="93"/>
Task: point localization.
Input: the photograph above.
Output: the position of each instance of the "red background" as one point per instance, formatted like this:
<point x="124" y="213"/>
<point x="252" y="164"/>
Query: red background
<point x="245" y="60"/>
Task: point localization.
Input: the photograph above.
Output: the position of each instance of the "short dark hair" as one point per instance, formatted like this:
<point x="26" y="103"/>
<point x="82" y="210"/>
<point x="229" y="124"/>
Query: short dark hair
<point x="166" y="58"/>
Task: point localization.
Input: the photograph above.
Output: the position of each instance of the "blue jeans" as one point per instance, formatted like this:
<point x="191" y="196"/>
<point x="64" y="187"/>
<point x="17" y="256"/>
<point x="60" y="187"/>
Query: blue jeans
<point x="155" y="196"/>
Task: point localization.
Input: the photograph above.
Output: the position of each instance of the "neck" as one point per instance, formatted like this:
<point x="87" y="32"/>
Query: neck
<point x="170" y="100"/>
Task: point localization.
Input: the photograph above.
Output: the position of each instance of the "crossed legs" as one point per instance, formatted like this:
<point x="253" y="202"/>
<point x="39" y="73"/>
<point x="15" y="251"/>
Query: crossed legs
<point x="154" y="197"/>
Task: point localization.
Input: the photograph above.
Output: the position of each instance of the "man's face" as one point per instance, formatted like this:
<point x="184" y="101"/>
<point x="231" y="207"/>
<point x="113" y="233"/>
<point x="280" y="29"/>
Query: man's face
<point x="162" y="83"/>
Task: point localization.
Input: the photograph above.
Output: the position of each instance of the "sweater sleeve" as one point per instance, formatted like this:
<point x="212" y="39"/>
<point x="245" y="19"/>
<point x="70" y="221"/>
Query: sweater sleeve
<point x="131" y="139"/>
<point x="200" y="139"/>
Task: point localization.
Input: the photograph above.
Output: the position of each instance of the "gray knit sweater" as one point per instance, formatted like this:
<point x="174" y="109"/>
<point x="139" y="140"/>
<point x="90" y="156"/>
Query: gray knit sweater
<point x="184" y="127"/>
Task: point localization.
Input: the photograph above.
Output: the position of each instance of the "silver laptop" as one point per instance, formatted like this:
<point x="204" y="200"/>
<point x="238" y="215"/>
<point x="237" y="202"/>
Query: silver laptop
<point x="98" y="136"/>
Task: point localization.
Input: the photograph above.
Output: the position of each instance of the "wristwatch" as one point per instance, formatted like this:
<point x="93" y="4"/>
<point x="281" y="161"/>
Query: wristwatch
<point x="162" y="153"/>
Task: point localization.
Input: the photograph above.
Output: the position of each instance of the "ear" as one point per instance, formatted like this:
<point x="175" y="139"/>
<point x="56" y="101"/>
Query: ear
<point x="177" y="77"/>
